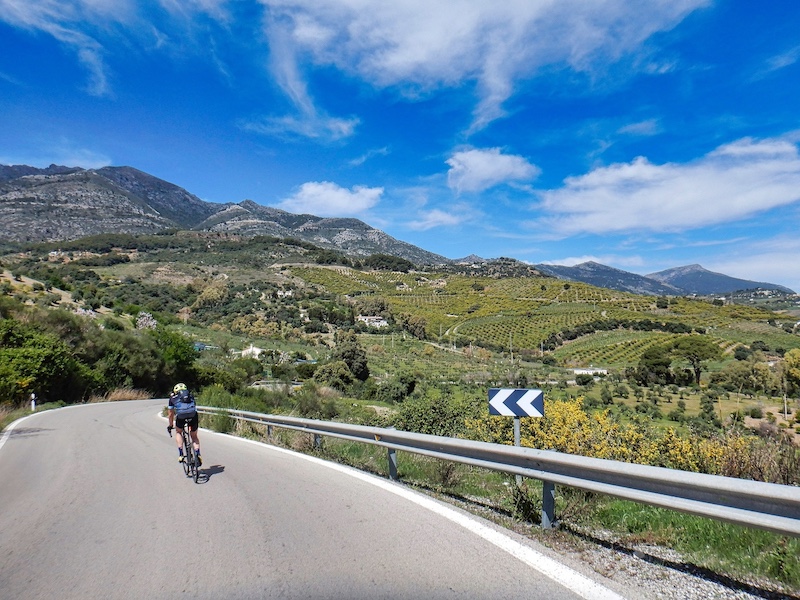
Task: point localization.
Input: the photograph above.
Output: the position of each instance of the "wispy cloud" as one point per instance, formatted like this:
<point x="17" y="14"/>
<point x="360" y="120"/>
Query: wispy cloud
<point x="476" y="170"/>
<point x="71" y="23"/>
<point x="619" y="261"/>
<point x="9" y="79"/>
<point x="429" y="219"/>
<point x="318" y="127"/>
<point x="771" y="260"/>
<point x="360" y="160"/>
<point x="643" y="128"/>
<point x="59" y="152"/>
<point x="786" y="59"/>
<point x="328" y="199"/>
<point x="410" y="46"/>
<point x="733" y="182"/>
<point x="417" y="47"/>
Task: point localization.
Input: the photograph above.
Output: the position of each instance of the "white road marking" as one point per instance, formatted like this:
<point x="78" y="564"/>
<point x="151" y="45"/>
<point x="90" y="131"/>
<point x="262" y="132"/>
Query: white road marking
<point x="10" y="428"/>
<point x="569" y="578"/>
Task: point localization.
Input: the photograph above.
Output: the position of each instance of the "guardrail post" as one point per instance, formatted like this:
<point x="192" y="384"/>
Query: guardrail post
<point x="392" y="453"/>
<point x="269" y="431"/>
<point x="548" y="504"/>
<point x="317" y="441"/>
<point x="517" y="444"/>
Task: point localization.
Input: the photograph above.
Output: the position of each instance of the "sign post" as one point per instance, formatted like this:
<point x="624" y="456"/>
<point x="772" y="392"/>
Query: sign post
<point x="519" y="403"/>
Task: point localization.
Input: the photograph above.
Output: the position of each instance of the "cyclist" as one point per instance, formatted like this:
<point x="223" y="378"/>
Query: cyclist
<point x="182" y="409"/>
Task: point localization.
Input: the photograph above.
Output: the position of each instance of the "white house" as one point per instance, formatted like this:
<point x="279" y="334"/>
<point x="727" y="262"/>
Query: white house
<point x="372" y="321"/>
<point x="252" y="352"/>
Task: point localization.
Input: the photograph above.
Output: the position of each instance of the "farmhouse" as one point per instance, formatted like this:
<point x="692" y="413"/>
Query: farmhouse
<point x="252" y="352"/>
<point x="372" y="321"/>
<point x="590" y="371"/>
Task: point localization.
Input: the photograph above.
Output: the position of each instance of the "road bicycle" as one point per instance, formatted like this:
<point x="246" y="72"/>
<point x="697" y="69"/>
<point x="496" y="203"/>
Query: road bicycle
<point x="190" y="463"/>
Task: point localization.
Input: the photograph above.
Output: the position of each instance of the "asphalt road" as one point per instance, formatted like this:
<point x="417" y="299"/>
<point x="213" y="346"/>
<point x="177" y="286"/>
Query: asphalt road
<point x="93" y="504"/>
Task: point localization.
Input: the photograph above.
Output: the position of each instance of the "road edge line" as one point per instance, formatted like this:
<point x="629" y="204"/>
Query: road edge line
<point x="567" y="577"/>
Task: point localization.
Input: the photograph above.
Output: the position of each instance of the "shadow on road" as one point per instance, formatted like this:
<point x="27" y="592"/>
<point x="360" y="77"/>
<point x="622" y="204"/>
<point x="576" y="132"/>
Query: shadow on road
<point x="207" y="473"/>
<point x="27" y="431"/>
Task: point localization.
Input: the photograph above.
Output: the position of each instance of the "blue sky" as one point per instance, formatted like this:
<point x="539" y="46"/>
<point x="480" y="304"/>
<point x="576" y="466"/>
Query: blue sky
<point x="643" y="135"/>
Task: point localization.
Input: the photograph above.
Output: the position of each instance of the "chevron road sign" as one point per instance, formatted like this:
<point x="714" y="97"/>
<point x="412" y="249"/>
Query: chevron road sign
<point x="516" y="403"/>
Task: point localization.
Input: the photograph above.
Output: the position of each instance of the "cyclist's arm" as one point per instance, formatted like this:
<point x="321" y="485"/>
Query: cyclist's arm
<point x="171" y="416"/>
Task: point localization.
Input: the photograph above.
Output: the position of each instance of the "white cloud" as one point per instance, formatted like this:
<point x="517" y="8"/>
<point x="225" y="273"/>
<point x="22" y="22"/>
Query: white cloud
<point x="360" y="160"/>
<point x="326" y="199"/>
<point x="476" y="169"/>
<point x="772" y="260"/>
<point x="648" y="127"/>
<point x="412" y="46"/>
<point x="784" y="60"/>
<point x="733" y="182"/>
<point x="418" y="46"/>
<point x="429" y="219"/>
<point x="309" y="126"/>
<point x="71" y="23"/>
<point x="62" y="152"/>
<point x="619" y="262"/>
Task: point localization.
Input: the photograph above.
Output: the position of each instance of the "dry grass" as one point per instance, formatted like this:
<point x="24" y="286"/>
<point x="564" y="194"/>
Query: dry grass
<point x="5" y="412"/>
<point x="122" y="394"/>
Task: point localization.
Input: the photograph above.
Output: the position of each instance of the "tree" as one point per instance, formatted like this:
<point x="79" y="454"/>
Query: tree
<point x="696" y="350"/>
<point x="349" y="350"/>
<point x="334" y="374"/>
<point x="792" y="369"/>
<point x="654" y="366"/>
<point x="415" y="325"/>
<point x="34" y="361"/>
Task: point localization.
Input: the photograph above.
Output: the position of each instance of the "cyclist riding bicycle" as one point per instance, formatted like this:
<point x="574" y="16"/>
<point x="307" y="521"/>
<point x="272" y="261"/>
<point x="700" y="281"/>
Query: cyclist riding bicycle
<point x="182" y="409"/>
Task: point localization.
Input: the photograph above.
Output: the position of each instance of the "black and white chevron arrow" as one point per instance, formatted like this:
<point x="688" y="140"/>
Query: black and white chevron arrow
<point x="516" y="403"/>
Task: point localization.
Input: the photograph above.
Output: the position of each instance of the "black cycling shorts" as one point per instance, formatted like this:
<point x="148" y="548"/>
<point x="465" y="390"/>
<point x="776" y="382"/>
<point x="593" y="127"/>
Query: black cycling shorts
<point x="194" y="422"/>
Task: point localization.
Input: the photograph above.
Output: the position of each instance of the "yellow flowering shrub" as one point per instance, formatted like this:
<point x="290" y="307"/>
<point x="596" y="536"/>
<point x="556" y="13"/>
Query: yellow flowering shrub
<point x="567" y="427"/>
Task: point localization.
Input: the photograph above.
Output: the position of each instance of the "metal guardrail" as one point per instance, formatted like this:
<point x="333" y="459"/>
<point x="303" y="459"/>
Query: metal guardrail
<point x="768" y="506"/>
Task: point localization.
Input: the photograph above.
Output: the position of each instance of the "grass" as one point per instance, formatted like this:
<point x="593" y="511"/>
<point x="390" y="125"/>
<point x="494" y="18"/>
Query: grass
<point x="8" y="414"/>
<point x="738" y="551"/>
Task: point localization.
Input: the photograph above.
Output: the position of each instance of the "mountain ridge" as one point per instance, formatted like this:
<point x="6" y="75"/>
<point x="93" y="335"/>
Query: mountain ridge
<point x="64" y="203"/>
<point x="686" y="280"/>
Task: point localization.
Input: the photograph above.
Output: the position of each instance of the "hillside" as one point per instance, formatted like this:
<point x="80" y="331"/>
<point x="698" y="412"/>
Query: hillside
<point x="681" y="281"/>
<point x="609" y="277"/>
<point x="62" y="203"/>
<point x="66" y="203"/>
<point x="215" y="280"/>
<point x="701" y="281"/>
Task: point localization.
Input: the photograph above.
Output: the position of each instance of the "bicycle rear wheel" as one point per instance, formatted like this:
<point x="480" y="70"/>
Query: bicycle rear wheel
<point x="187" y="454"/>
<point x="195" y="466"/>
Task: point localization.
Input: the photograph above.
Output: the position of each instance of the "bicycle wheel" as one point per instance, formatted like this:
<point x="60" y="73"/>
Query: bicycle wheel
<point x="195" y="466"/>
<point x="187" y="453"/>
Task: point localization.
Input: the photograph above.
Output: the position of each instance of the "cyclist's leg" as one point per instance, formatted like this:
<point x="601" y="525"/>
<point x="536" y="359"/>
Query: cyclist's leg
<point x="194" y="424"/>
<point x="178" y="437"/>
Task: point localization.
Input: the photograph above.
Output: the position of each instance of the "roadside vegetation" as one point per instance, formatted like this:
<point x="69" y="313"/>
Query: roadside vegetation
<point x="280" y="326"/>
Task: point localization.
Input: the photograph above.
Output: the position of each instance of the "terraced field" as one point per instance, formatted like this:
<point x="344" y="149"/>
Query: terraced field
<point x="520" y="313"/>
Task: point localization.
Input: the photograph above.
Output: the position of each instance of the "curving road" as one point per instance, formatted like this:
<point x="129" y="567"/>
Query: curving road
<point x="94" y="505"/>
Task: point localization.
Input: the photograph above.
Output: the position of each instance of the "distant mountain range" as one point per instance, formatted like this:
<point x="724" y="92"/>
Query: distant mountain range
<point x="64" y="203"/>
<point x="679" y="281"/>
